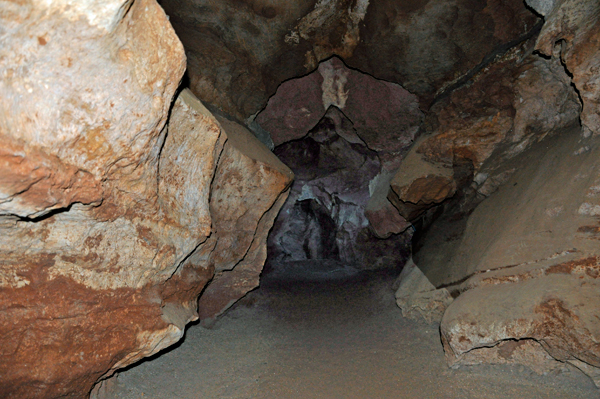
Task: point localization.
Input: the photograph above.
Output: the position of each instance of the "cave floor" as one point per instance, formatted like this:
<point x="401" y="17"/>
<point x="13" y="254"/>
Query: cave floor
<point x="343" y="338"/>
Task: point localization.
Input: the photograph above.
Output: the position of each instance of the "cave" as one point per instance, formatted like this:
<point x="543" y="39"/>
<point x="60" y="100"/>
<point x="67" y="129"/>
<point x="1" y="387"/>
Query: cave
<point x="319" y="198"/>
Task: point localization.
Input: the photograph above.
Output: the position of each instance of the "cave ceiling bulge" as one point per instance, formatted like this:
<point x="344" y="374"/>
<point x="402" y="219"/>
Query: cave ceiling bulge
<point x="240" y="51"/>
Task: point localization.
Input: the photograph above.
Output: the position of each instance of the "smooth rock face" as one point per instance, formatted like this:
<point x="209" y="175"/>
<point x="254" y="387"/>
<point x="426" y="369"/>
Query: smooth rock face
<point x="239" y="52"/>
<point x="107" y="226"/>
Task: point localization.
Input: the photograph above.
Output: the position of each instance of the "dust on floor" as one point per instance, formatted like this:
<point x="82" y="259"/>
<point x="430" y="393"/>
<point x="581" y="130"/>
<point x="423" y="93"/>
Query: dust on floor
<point x="343" y="338"/>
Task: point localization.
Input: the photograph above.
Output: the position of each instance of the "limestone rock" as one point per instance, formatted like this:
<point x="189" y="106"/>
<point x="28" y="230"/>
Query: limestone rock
<point x="106" y="222"/>
<point x="85" y="95"/>
<point x="543" y="7"/>
<point x="239" y="52"/>
<point x="554" y="314"/>
<point x="385" y="116"/>
<point x="419" y="185"/>
<point x="513" y="103"/>
<point x="325" y="215"/>
<point x="380" y="117"/>
<point x="526" y="265"/>
<point x="572" y="33"/>
<point x="418" y="298"/>
<point x="384" y="219"/>
<point x="249" y="187"/>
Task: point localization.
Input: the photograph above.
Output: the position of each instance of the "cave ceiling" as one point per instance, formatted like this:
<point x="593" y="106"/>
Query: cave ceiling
<point x="240" y="51"/>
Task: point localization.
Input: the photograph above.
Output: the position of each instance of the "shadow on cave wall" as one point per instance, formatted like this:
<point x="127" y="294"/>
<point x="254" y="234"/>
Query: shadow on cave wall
<point x="322" y="231"/>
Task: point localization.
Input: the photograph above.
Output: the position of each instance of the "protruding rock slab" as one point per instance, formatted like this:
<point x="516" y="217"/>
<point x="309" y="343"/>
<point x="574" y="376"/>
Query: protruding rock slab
<point x="552" y="314"/>
<point x="418" y="298"/>
<point x="418" y="185"/>
<point x="249" y="188"/>
<point x="526" y="265"/>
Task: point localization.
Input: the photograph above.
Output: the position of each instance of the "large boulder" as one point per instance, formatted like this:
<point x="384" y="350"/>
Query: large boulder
<point x="249" y="188"/>
<point x="105" y="218"/>
<point x="526" y="266"/>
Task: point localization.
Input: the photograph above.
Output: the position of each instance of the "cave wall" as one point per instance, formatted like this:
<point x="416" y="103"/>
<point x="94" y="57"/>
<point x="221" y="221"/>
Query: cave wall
<point x="239" y="52"/>
<point x="343" y="133"/>
<point x="122" y="200"/>
<point x="514" y="242"/>
<point x="110" y="228"/>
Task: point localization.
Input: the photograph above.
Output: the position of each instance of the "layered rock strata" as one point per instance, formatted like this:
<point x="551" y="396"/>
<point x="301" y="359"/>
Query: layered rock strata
<point x="536" y="281"/>
<point x="107" y="226"/>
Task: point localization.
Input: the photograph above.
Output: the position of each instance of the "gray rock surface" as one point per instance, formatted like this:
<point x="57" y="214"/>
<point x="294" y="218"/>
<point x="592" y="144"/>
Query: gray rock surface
<point x="418" y="298"/>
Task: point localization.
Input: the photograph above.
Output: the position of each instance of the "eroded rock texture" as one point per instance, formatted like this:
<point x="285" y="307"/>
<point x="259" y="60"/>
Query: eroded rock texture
<point x="343" y="133"/>
<point x="515" y="102"/>
<point x="514" y="242"/>
<point x="239" y="52"/>
<point x="572" y="32"/>
<point x="106" y="221"/>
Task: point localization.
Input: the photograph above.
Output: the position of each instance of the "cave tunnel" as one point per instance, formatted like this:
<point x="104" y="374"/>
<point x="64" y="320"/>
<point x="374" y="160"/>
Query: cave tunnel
<point x="307" y="199"/>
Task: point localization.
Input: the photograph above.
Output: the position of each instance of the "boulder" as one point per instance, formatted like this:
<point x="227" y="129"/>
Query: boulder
<point x="526" y="265"/>
<point x="419" y="185"/>
<point x="85" y="247"/>
<point x="248" y="190"/>
<point x="106" y="222"/>
<point x="418" y="298"/>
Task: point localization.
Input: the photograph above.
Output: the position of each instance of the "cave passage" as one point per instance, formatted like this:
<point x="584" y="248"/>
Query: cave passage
<point x="299" y="199"/>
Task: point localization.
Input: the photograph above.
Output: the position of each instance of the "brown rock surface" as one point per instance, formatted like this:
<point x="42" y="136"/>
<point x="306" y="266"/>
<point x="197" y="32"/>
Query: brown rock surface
<point x="572" y="32"/>
<point x="529" y="253"/>
<point x="419" y="184"/>
<point x="513" y="103"/>
<point x="557" y="311"/>
<point x="104" y="217"/>
<point x="418" y="298"/>
<point x="249" y="188"/>
<point x="239" y="52"/>
<point x="385" y="116"/>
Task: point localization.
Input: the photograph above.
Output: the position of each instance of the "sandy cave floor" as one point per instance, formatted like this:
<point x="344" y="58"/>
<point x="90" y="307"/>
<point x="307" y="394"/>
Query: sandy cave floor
<point x="341" y="338"/>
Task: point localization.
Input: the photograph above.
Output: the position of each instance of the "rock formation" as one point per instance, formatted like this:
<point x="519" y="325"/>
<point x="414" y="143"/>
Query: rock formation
<point x="239" y="52"/>
<point x="343" y="133"/>
<point x="108" y="220"/>
<point x="123" y="198"/>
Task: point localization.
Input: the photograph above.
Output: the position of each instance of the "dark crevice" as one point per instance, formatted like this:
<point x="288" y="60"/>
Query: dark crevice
<point x="47" y="215"/>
